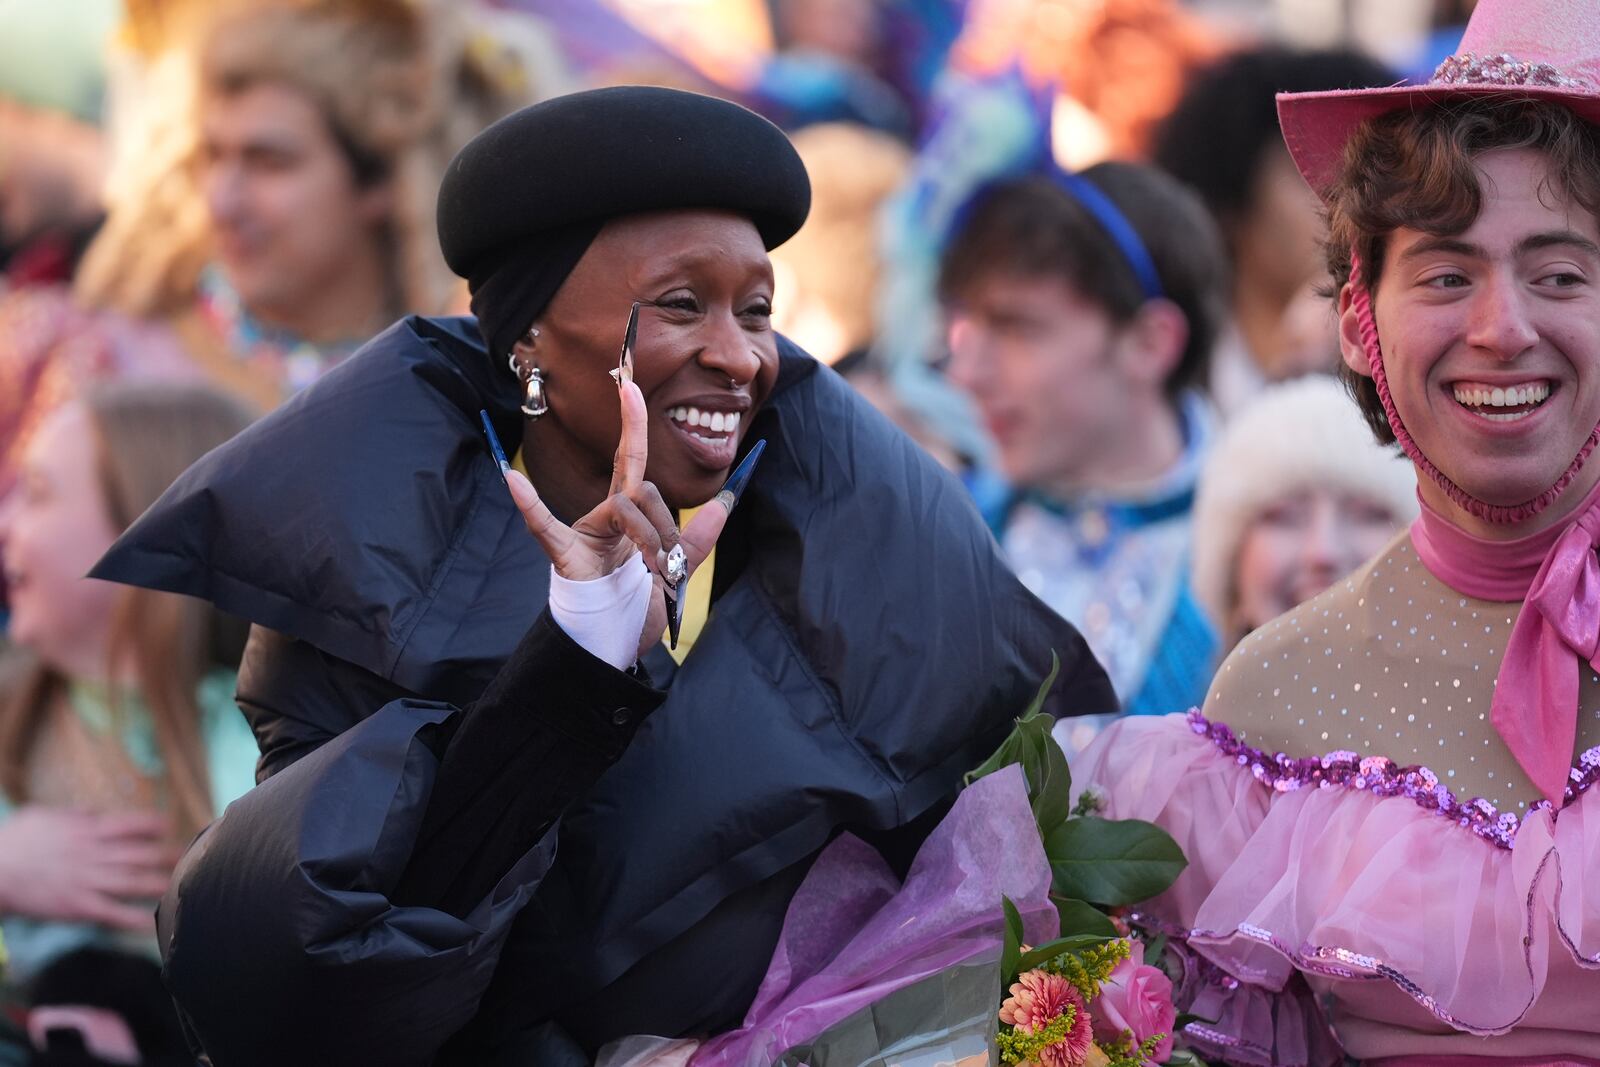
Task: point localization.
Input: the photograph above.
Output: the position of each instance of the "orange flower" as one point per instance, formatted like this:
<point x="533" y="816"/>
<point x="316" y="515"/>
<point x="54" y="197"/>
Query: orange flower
<point x="1037" y="999"/>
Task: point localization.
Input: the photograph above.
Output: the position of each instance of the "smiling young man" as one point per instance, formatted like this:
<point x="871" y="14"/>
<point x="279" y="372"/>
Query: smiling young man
<point x="1082" y="309"/>
<point x="1387" y="796"/>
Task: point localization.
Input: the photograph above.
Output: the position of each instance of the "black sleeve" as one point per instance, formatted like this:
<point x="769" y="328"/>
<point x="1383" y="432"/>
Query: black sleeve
<point x="506" y="774"/>
<point x="352" y="907"/>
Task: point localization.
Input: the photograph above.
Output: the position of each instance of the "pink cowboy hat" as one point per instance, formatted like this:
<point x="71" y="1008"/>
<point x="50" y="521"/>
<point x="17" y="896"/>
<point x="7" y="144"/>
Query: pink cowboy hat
<point x="1539" y="49"/>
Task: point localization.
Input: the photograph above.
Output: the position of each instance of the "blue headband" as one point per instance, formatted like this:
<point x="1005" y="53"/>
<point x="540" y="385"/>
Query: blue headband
<point x="1105" y="212"/>
<point x="1117" y="227"/>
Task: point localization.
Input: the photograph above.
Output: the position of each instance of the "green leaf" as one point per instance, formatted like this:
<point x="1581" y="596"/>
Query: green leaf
<point x="1053" y="799"/>
<point x="1047" y="952"/>
<point x="1011" y="946"/>
<point x="1044" y="690"/>
<point x="1023" y="744"/>
<point x="1009" y="752"/>
<point x="1112" y="862"/>
<point x="1079" y="917"/>
<point x="1184" y="1058"/>
<point x="1156" y="950"/>
<point x="1035" y="734"/>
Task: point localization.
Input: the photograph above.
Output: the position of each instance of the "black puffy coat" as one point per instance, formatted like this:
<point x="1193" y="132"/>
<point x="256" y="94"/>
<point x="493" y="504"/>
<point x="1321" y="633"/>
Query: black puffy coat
<point x="866" y="646"/>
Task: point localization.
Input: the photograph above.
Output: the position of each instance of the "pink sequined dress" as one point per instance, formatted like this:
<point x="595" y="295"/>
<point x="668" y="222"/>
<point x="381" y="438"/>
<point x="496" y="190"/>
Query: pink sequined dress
<point x="1371" y="873"/>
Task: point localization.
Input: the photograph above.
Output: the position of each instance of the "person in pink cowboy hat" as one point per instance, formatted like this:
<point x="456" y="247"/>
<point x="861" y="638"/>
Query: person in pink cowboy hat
<point x="1386" y="802"/>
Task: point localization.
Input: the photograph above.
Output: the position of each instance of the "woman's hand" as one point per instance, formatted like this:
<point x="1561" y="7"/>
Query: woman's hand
<point x="633" y="518"/>
<point x="78" y="866"/>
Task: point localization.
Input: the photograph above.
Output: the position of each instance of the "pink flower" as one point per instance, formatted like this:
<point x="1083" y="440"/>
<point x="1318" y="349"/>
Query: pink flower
<point x="1136" y="997"/>
<point x="1037" y="998"/>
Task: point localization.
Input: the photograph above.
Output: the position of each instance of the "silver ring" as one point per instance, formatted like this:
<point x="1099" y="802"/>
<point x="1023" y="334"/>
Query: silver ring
<point x="677" y="566"/>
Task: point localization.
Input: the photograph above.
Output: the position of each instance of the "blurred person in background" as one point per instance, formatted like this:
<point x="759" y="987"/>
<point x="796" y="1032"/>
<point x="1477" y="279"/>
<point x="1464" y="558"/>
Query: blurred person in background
<point x="1082" y="312"/>
<point x="1081" y="82"/>
<point x="1116" y="66"/>
<point x="51" y="167"/>
<point x="96" y="1006"/>
<point x="254" y="238"/>
<point x="836" y="61"/>
<point x="1222" y="140"/>
<point x="119" y="738"/>
<point x="289" y="215"/>
<point x="828" y="272"/>
<point x="1295" y="495"/>
<point x="52" y="155"/>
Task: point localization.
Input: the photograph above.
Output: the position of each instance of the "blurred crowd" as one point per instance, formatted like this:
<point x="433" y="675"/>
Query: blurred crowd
<point x="1059" y="242"/>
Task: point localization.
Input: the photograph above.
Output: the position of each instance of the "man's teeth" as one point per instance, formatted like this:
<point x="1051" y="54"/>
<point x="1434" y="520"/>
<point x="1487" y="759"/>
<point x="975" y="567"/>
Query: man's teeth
<point x="1480" y="396"/>
<point x="715" y="421"/>
<point x="1484" y="396"/>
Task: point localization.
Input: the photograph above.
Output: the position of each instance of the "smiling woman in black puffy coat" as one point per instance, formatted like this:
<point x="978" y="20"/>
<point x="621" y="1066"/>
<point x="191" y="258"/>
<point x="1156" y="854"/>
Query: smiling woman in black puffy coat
<point x="393" y="890"/>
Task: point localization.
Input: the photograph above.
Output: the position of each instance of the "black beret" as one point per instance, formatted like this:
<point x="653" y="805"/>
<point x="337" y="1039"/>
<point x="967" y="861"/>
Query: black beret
<point x="520" y="203"/>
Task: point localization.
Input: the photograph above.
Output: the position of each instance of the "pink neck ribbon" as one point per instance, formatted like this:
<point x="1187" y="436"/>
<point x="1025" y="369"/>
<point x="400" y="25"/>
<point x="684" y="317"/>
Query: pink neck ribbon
<point x="1555" y="572"/>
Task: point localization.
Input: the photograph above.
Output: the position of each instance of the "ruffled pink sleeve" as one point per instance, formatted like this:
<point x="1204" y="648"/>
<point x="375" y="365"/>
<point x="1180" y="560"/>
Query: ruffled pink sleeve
<point x="1411" y="911"/>
<point x="1158" y="770"/>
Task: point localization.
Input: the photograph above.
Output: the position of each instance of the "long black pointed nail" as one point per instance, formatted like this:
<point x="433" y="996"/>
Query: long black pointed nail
<point x="674" y="616"/>
<point x="730" y="494"/>
<point x="494" y="442"/>
<point x="624" y="371"/>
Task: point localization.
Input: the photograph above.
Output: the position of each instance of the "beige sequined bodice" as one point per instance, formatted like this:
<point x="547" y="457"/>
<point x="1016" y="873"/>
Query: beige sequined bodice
<point x="1390" y="662"/>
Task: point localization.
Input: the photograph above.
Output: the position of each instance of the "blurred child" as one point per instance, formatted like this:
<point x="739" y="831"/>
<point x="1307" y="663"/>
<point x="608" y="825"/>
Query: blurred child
<point x="1222" y="140"/>
<point x="119" y="738"/>
<point x="1294" y="496"/>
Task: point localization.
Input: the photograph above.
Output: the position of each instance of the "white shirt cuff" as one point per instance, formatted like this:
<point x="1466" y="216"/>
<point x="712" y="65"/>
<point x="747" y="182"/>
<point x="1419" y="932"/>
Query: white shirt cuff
<point x="605" y="616"/>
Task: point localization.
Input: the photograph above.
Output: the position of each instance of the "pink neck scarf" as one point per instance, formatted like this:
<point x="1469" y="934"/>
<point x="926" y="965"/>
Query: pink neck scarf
<point x="1556" y="573"/>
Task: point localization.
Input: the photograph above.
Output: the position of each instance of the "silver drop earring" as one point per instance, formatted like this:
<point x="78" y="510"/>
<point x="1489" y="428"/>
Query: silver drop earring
<point x="534" y="401"/>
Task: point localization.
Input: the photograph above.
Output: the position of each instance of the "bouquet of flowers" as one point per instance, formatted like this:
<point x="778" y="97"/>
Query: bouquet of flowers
<point x="997" y="949"/>
<point x="1094" y="996"/>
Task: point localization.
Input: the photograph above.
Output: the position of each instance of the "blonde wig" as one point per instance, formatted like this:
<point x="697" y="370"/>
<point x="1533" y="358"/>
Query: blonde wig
<point x="403" y="83"/>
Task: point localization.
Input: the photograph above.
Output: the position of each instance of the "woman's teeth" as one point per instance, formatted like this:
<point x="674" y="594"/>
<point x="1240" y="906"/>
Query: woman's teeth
<point x="1528" y="397"/>
<point x="718" y="422"/>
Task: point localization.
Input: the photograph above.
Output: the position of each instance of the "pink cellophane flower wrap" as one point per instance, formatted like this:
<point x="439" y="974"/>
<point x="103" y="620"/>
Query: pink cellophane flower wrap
<point x="854" y="933"/>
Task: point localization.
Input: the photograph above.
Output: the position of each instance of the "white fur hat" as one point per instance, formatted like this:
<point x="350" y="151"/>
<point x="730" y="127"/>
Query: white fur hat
<point x="1299" y="434"/>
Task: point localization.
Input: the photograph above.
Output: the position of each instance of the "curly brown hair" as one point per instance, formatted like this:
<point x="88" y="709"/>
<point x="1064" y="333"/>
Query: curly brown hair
<point x="1415" y="169"/>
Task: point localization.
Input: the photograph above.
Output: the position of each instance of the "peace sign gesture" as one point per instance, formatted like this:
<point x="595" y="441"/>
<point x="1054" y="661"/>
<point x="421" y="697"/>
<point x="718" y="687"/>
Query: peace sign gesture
<point x="632" y="519"/>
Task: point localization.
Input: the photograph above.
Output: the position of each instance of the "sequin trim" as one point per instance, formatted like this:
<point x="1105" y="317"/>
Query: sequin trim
<point x="1384" y="778"/>
<point x="1284" y="774"/>
<point x="1469" y="68"/>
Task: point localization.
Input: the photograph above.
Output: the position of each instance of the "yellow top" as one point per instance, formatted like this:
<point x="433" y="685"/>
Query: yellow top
<point x="697" y="605"/>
